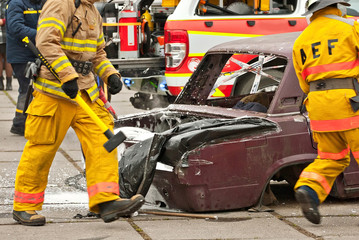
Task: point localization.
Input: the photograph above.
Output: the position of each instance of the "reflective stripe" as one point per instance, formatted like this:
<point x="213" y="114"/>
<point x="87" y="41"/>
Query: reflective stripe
<point x="29" y="197"/>
<point x="61" y="63"/>
<point x="19" y="110"/>
<point x="32" y="11"/>
<point x="50" y="87"/>
<point x="99" y="69"/>
<point x="356" y="155"/>
<point x="52" y="22"/>
<point x="100" y="40"/>
<point x="178" y="74"/>
<point x="93" y="92"/>
<point x="335" y="125"/>
<point x="333" y="156"/>
<point x="79" y="45"/>
<point x="329" y="68"/>
<point x="107" y="187"/>
<point x="317" y="177"/>
<point x="196" y="54"/>
<point x="55" y="88"/>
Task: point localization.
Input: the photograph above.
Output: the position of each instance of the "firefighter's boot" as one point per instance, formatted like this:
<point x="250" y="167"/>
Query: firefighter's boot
<point x="8" y="83"/>
<point x="2" y="83"/>
<point x="113" y="210"/>
<point x="29" y="218"/>
<point x="309" y="202"/>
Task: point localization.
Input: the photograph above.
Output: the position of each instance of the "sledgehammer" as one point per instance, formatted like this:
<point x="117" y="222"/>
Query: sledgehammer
<point x="113" y="140"/>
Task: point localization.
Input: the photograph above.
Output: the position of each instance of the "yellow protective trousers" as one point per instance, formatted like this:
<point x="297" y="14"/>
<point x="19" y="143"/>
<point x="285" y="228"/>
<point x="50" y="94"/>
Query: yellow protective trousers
<point x="333" y="157"/>
<point x="47" y="123"/>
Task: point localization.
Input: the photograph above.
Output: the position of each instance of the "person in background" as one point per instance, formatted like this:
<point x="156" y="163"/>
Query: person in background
<point x="21" y="21"/>
<point x="3" y="61"/>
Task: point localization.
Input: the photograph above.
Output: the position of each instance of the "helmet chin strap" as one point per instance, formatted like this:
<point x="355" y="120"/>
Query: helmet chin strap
<point x="307" y="18"/>
<point x="343" y="9"/>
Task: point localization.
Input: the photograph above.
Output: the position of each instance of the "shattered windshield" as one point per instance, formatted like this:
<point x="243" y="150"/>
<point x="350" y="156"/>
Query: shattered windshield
<point x="261" y="74"/>
<point x="248" y="78"/>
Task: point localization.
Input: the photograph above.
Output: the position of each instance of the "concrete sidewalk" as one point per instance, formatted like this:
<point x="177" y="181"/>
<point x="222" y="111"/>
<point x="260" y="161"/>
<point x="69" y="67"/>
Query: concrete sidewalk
<point x="65" y="198"/>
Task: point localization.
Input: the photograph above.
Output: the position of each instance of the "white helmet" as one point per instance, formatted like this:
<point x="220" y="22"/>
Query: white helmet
<point x="312" y="6"/>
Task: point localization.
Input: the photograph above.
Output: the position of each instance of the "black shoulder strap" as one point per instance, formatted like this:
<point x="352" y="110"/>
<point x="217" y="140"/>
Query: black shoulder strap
<point x="77" y="3"/>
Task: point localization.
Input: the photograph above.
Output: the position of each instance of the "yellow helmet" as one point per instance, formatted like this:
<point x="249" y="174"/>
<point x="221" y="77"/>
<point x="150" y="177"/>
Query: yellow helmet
<point x="312" y="6"/>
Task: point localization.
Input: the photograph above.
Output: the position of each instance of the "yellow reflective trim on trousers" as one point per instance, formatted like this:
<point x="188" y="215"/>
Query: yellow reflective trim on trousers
<point x="79" y="45"/>
<point x="99" y="69"/>
<point x="19" y="110"/>
<point x="61" y="63"/>
<point x="52" y="22"/>
<point x="55" y="88"/>
<point x="318" y="178"/>
<point x="100" y="40"/>
<point x="32" y="11"/>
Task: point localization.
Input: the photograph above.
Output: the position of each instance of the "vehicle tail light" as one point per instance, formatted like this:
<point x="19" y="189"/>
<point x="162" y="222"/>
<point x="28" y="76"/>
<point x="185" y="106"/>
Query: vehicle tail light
<point x="176" y="48"/>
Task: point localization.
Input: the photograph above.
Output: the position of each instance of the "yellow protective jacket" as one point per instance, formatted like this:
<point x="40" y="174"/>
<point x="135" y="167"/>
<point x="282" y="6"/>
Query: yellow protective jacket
<point x="328" y="48"/>
<point x="54" y="39"/>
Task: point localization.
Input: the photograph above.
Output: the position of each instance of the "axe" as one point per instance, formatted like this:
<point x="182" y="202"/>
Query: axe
<point x="113" y="140"/>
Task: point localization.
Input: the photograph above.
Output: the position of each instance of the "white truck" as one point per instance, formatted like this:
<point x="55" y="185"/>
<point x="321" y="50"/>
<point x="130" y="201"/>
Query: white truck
<point x="156" y="45"/>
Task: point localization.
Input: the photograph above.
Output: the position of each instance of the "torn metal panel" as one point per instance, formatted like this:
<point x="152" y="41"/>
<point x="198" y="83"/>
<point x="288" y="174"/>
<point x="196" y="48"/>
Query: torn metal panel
<point x="189" y="136"/>
<point x="171" y="146"/>
<point x="138" y="164"/>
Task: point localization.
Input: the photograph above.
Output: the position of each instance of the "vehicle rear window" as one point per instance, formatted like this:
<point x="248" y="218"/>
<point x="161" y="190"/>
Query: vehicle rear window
<point x="245" y="7"/>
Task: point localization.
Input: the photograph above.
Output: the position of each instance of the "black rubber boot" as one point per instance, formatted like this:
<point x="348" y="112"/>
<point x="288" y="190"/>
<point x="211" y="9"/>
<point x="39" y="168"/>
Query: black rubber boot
<point x="1" y="83"/>
<point x="29" y="218"/>
<point x="113" y="210"/>
<point x="309" y="206"/>
<point x="8" y="83"/>
<point x="17" y="130"/>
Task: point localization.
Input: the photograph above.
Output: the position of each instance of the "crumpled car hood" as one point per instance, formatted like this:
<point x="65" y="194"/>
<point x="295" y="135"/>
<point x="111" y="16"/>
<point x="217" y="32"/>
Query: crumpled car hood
<point x="138" y="163"/>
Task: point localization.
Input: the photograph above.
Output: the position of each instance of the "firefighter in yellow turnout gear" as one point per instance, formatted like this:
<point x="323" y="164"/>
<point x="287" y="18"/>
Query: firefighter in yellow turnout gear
<point x="326" y="63"/>
<point x="70" y="37"/>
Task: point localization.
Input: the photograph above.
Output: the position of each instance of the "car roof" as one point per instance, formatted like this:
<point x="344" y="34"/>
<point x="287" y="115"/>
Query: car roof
<point x="279" y="44"/>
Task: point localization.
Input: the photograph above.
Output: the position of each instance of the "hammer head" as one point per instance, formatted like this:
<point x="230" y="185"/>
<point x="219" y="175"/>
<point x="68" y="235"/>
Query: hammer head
<point x="114" y="141"/>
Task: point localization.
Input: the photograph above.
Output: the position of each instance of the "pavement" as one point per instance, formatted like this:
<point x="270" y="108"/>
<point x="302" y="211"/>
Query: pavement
<point x="66" y="198"/>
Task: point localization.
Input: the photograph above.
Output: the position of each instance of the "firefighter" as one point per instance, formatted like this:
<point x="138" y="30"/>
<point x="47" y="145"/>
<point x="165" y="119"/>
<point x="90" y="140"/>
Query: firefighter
<point x="327" y="66"/>
<point x="69" y="35"/>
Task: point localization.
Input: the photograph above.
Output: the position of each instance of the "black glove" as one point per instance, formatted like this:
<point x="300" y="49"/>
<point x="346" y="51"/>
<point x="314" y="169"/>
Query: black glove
<point x="114" y="84"/>
<point x="70" y="88"/>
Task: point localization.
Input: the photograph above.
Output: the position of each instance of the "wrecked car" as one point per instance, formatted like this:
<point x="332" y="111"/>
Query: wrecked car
<point x="210" y="154"/>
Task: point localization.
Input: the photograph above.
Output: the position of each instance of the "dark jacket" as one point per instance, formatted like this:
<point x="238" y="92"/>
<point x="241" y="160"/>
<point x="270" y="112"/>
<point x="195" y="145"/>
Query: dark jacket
<point x="21" y="21"/>
<point x="2" y="16"/>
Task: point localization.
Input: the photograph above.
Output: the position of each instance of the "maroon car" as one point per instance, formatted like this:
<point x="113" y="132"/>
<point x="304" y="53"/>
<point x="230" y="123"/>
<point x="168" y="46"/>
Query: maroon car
<point x="222" y="153"/>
